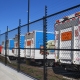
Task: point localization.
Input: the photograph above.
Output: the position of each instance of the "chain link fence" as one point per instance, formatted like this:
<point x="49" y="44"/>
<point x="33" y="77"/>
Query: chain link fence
<point x="45" y="49"/>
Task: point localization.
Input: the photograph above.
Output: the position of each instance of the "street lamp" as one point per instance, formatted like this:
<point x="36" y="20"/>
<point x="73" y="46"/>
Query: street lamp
<point x="28" y="13"/>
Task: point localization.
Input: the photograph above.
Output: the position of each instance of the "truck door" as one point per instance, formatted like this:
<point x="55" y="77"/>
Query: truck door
<point x="3" y="49"/>
<point x="65" y="43"/>
<point x="28" y="43"/>
<point x="56" y="46"/>
<point x="76" y="57"/>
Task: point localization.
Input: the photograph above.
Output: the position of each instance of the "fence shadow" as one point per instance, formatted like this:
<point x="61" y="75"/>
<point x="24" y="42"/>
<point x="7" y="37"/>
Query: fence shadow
<point x="68" y="74"/>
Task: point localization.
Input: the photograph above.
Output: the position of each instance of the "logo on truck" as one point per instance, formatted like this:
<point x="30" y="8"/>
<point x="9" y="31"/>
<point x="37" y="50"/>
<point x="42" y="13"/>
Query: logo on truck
<point x="50" y="45"/>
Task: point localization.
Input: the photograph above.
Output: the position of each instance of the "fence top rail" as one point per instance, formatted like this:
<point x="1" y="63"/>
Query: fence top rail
<point x="3" y="33"/>
<point x="13" y="29"/>
<point x="65" y="10"/>
<point x="32" y="22"/>
<point x="9" y="31"/>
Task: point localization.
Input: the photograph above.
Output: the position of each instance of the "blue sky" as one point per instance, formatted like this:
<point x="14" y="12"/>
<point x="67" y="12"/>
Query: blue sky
<point x="13" y="10"/>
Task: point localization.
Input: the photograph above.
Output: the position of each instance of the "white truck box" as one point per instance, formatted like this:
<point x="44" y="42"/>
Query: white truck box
<point x="10" y="46"/>
<point x="68" y="37"/>
<point x="34" y="40"/>
<point x="22" y="40"/>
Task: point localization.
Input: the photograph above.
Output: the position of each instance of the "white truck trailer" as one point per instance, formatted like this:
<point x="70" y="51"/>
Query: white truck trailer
<point x="15" y="50"/>
<point x="33" y="43"/>
<point x="10" y="46"/>
<point x="67" y="35"/>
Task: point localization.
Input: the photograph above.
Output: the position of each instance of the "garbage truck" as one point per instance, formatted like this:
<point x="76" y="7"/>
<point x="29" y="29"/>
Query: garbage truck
<point x="67" y="38"/>
<point x="33" y="44"/>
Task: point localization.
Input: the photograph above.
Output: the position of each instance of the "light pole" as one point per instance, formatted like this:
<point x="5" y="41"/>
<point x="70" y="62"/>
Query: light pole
<point x="28" y="13"/>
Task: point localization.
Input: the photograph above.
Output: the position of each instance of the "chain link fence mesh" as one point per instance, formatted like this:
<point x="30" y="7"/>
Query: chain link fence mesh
<point x="46" y="49"/>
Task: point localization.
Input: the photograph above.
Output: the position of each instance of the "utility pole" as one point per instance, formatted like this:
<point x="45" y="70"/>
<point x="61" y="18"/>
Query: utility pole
<point x="28" y="13"/>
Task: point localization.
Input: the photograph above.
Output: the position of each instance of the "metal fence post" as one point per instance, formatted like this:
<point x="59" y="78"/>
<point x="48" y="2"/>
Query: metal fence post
<point x="19" y="45"/>
<point x="44" y="43"/>
<point x="6" y="44"/>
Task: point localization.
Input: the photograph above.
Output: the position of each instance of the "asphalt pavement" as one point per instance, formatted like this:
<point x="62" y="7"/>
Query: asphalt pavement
<point x="7" y="73"/>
